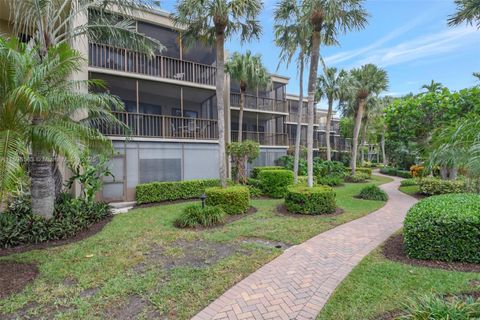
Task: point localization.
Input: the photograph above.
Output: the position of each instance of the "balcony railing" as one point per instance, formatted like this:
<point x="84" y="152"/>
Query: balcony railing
<point x="161" y="126"/>
<point x="259" y="103"/>
<point x="263" y="138"/>
<point x="336" y="143"/>
<point x="118" y="59"/>
<point x="293" y="117"/>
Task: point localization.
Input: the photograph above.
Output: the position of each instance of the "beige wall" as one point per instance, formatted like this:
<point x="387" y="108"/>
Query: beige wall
<point x="5" y="28"/>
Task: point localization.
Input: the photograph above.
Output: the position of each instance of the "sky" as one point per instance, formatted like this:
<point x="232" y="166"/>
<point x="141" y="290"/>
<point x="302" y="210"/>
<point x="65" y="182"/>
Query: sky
<point x="409" y="39"/>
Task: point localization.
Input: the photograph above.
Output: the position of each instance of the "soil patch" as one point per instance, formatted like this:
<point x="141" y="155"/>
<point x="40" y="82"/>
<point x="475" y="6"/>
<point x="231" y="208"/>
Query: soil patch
<point x="267" y="243"/>
<point x="133" y="307"/>
<point x="393" y="249"/>
<point x="15" y="276"/>
<point x="282" y="211"/>
<point x="92" y="230"/>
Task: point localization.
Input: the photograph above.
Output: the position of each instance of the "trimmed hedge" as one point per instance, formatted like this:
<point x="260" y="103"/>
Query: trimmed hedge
<point x="194" y="215"/>
<point x="373" y="192"/>
<point x="256" y="171"/>
<point x="434" y="186"/>
<point x="275" y="182"/>
<point x="445" y="227"/>
<point x="332" y="180"/>
<point x="170" y="191"/>
<point x="396" y="172"/>
<point x="233" y="200"/>
<point x="315" y="200"/>
<point x="358" y="177"/>
<point x="409" y="182"/>
<point x="367" y="171"/>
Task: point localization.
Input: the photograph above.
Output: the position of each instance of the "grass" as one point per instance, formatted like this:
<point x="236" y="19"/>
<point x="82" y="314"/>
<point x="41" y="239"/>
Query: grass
<point x="141" y="266"/>
<point x="378" y="285"/>
<point x="410" y="190"/>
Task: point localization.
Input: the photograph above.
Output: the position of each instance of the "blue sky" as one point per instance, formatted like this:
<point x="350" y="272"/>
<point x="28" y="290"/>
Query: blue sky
<point x="410" y="39"/>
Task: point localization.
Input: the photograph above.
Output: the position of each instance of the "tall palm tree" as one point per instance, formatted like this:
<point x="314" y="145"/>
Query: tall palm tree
<point x="433" y="86"/>
<point x="327" y="18"/>
<point x="293" y="38"/>
<point x="250" y="72"/>
<point x="330" y="86"/>
<point x="213" y="21"/>
<point x="468" y="11"/>
<point x="33" y="87"/>
<point x="363" y="82"/>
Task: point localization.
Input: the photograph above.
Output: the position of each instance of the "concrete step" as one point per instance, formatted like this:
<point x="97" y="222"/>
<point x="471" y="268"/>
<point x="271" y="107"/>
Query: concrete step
<point x="121" y="207"/>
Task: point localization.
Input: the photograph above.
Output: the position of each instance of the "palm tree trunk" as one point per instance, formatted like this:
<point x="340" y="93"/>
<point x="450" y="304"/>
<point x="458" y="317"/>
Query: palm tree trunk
<point x="356" y="132"/>
<point x="384" y="157"/>
<point x="220" y="83"/>
<point x="364" y="140"/>
<point x="240" y="115"/>
<point x="299" y="121"/>
<point x="42" y="185"/>
<point x="312" y="81"/>
<point x="327" y="128"/>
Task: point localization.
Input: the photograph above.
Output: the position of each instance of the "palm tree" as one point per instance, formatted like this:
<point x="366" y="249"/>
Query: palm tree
<point x="250" y="72"/>
<point x="363" y="82"/>
<point x="467" y="11"/>
<point x="33" y="87"/>
<point x="433" y="86"/>
<point x="212" y="21"/>
<point x="327" y="18"/>
<point x="330" y="86"/>
<point x="293" y="36"/>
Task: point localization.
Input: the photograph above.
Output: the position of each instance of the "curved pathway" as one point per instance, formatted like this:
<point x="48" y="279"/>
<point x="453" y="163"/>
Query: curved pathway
<point x="298" y="283"/>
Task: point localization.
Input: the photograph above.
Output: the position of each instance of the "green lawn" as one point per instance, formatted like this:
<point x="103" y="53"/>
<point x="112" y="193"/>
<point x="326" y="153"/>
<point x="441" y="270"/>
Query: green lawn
<point x="378" y="285"/>
<point x="141" y="266"/>
<point x="410" y="190"/>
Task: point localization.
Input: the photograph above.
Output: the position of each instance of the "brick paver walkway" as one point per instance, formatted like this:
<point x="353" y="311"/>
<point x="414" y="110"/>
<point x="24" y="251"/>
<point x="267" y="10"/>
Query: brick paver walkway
<point x="297" y="284"/>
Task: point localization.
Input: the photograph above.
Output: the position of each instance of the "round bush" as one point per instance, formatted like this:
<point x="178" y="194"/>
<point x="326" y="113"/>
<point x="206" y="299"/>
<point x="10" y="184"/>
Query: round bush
<point x="332" y="180"/>
<point x="275" y="182"/>
<point x="233" y="200"/>
<point x="315" y="200"/>
<point x="358" y="177"/>
<point x="194" y="215"/>
<point x="373" y="192"/>
<point x="445" y="227"/>
<point x="366" y="171"/>
<point x="435" y="186"/>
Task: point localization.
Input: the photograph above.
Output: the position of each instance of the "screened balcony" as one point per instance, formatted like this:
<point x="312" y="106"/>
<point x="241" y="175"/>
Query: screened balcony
<point x="258" y="103"/>
<point x="266" y="129"/>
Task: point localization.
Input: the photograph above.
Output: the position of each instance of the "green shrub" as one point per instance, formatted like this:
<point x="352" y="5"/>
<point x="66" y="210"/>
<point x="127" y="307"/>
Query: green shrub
<point x="233" y="200"/>
<point x="330" y="180"/>
<point x="435" y="186"/>
<point x="396" y="172"/>
<point x="255" y="187"/>
<point x="19" y="225"/>
<point x="445" y="227"/>
<point x="409" y="182"/>
<point x="170" y="191"/>
<point x="302" y="180"/>
<point x="276" y="182"/>
<point x="256" y="171"/>
<point x="326" y="168"/>
<point x="404" y="174"/>
<point x="194" y="215"/>
<point x="358" y="177"/>
<point x="373" y="192"/>
<point x="315" y="200"/>
<point x="439" y="307"/>
<point x="287" y="162"/>
<point x="367" y="171"/>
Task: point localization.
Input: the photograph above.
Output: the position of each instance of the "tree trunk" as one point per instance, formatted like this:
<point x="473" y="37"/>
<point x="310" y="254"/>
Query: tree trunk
<point x="42" y="185"/>
<point x="384" y="157"/>
<point x="444" y="172"/>
<point x="364" y="141"/>
<point x="240" y="115"/>
<point x="452" y="173"/>
<point x="299" y="121"/>
<point x="327" y="128"/>
<point x="220" y="83"/>
<point x="312" y="81"/>
<point x="356" y="132"/>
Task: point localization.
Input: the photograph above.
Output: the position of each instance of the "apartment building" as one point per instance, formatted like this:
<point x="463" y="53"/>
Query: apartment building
<point x="170" y="110"/>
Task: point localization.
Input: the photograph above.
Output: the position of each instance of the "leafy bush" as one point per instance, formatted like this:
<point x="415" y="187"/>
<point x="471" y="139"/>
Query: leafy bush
<point x="330" y="180"/>
<point x="417" y="171"/>
<point x="169" y="191"/>
<point x="256" y="171"/>
<point x="373" y="192"/>
<point x="438" y="307"/>
<point x="243" y="152"/>
<point x="408" y="182"/>
<point x="396" y="172"/>
<point x="315" y="200"/>
<point x="325" y="168"/>
<point x="287" y="163"/>
<point x="233" y="200"/>
<point x="302" y="180"/>
<point x="436" y="186"/>
<point x="276" y="182"/>
<point x="404" y="174"/>
<point x="367" y="171"/>
<point x="20" y="226"/>
<point x="445" y="227"/>
<point x="358" y="177"/>
<point x="194" y="215"/>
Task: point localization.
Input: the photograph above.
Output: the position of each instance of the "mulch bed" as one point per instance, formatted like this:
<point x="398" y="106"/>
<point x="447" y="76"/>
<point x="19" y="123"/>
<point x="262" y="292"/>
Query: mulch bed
<point x="15" y="276"/>
<point x="94" y="229"/>
<point x="393" y="250"/>
<point x="282" y="210"/>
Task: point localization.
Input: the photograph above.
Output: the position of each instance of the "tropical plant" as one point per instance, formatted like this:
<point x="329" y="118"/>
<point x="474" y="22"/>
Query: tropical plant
<point x="433" y="86"/>
<point x="250" y="72"/>
<point x="468" y="11"/>
<point x="243" y="152"/>
<point x="213" y="21"/>
<point x="293" y="36"/>
<point x="327" y="18"/>
<point x="39" y="110"/>
<point x="363" y="83"/>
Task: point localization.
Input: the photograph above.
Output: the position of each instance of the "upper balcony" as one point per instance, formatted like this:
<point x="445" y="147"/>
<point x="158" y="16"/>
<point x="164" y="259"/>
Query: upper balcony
<point x="261" y="104"/>
<point x="293" y="118"/>
<point x="124" y="60"/>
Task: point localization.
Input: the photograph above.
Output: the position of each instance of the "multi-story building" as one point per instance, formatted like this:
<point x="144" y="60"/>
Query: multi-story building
<point x="170" y="110"/>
